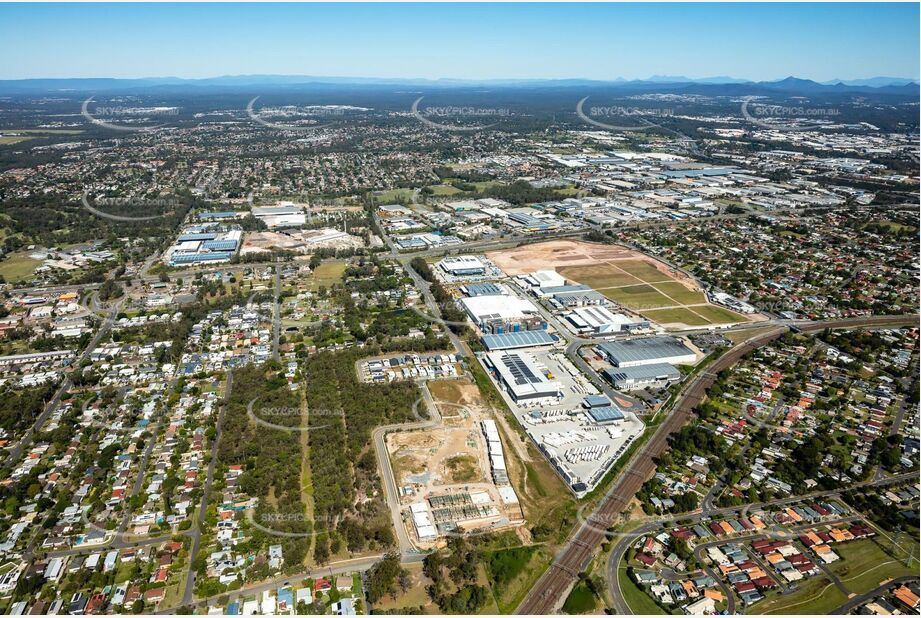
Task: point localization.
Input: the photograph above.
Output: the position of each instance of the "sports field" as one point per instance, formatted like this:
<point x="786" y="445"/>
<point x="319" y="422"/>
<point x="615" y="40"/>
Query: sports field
<point x="629" y="278"/>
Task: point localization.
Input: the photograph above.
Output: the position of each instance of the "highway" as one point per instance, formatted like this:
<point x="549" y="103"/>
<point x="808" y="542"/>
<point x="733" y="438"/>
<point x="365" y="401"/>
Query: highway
<point x="551" y="590"/>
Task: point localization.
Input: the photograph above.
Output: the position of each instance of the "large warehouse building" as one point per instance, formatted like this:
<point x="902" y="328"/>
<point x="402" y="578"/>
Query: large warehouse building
<point x="502" y="314"/>
<point x="643" y="376"/>
<point x="598" y="320"/>
<point x="463" y="265"/>
<point x="522" y="377"/>
<point x="647" y="351"/>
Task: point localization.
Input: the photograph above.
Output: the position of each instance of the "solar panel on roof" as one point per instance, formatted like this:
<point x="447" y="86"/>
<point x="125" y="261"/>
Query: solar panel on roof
<point x="517" y="340"/>
<point x="605" y="414"/>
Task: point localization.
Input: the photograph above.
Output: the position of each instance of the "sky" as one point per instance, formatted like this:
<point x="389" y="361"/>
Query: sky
<point x="461" y="41"/>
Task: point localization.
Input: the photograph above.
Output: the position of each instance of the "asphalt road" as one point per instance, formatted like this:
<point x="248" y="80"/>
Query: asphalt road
<point x="856" y="601"/>
<point x="195" y="530"/>
<point x="391" y="492"/>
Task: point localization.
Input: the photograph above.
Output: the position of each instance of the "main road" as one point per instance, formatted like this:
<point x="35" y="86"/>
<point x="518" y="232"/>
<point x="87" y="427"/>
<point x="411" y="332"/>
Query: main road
<point x="552" y="588"/>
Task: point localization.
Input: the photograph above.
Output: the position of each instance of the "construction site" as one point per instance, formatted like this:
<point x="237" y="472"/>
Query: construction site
<point x="452" y="477"/>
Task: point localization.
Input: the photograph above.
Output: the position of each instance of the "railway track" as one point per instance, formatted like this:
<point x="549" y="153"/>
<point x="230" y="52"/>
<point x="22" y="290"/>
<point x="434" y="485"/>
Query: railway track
<point x="551" y="588"/>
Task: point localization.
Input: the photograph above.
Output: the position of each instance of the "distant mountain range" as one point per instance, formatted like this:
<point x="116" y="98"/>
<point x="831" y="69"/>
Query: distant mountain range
<point x="789" y="85"/>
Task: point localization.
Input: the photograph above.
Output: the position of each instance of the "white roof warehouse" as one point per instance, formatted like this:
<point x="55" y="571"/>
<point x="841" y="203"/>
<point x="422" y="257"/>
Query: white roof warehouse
<point x="647" y="351"/>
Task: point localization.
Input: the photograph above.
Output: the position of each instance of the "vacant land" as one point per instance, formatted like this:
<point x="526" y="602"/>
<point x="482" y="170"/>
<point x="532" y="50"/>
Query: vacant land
<point x="463" y="469"/>
<point x="18" y="267"/>
<point x="865" y="565"/>
<point x="681" y="293"/>
<point x="816" y="595"/>
<point x="636" y="599"/>
<point x="629" y="278"/>
<point x="599" y="277"/>
<point x="677" y="316"/>
<point x="641" y="297"/>
<point x="581" y="600"/>
<point x="327" y="274"/>
<point x="718" y="315"/>
<point x="557" y="253"/>
<point x="402" y="196"/>
<point x="513" y="572"/>
<point x="414" y="597"/>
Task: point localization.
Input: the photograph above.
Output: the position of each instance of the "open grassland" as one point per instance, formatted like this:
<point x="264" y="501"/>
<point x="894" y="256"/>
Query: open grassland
<point x="598" y="276"/>
<point x="327" y="274"/>
<point x="641" y="297"/>
<point x="639" y="601"/>
<point x="816" y="595"/>
<point x="18" y="267"/>
<point x="681" y="294"/>
<point x="513" y="572"/>
<point x="394" y="196"/>
<point x="643" y="270"/>
<point x="677" y="316"/>
<point x="718" y="315"/>
<point x="865" y="565"/>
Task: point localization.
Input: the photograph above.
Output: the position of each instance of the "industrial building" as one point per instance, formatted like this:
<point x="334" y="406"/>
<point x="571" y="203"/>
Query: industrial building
<point x="601" y="410"/>
<point x="462" y="265"/>
<point x="201" y="244"/>
<point x="422" y="521"/>
<point x="599" y="321"/>
<point x="501" y="314"/>
<point x="721" y="298"/>
<point x="520" y="375"/>
<point x="577" y="295"/>
<point x="285" y="214"/>
<point x="647" y="351"/>
<point x="484" y="289"/>
<point x="643" y="376"/>
<point x="494" y="448"/>
<point x="521" y="339"/>
<point x="542" y="279"/>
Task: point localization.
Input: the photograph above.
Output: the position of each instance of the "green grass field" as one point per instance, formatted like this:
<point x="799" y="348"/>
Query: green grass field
<point x="864" y="565"/>
<point x="641" y="269"/>
<point x="581" y="600"/>
<point x="598" y="276"/>
<point x="639" y="601"/>
<point x="638" y="297"/>
<point x="327" y="274"/>
<point x="816" y="595"/>
<point x="444" y="190"/>
<point x="681" y="293"/>
<point x="18" y="267"/>
<point x="513" y="572"/>
<point x="393" y="196"/>
<point x="718" y="315"/>
<point x="679" y="315"/>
